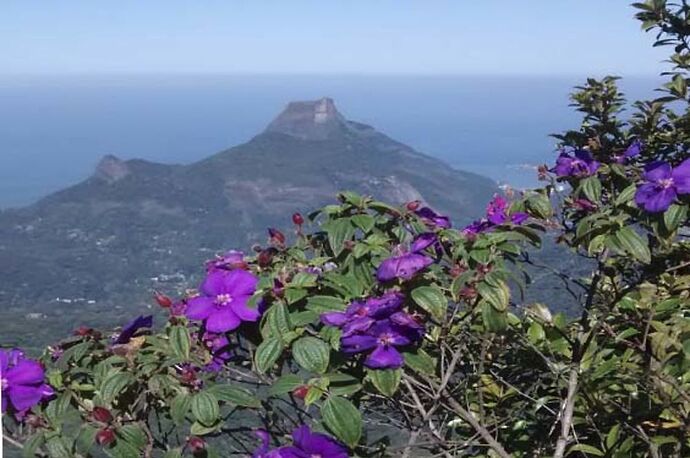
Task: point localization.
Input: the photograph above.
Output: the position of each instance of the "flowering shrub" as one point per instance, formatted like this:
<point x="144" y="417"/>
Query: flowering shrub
<point x="383" y="331"/>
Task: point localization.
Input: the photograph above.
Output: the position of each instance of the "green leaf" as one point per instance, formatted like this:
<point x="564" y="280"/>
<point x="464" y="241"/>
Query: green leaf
<point x="364" y="222"/>
<point x="312" y="353"/>
<point x="293" y="295"/>
<point x="420" y="362"/>
<point x="586" y="449"/>
<point x="114" y="384"/>
<point x="85" y="440"/>
<point x="432" y="300"/>
<point x="180" y="342"/>
<point x="591" y="187"/>
<point x="498" y="294"/>
<point x="57" y="448"/>
<point x="322" y="304"/>
<point x="338" y="231"/>
<point x="626" y="195"/>
<point x="675" y="216"/>
<point x="32" y="444"/>
<point x="633" y="244"/>
<point x="173" y="453"/>
<point x="539" y="205"/>
<point x="286" y="384"/>
<point x="205" y="408"/>
<point x="179" y="407"/>
<point x="267" y="353"/>
<point x="386" y="380"/>
<point x="343" y="419"/>
<point x="493" y="319"/>
<point x="234" y="395"/>
<point x="134" y="435"/>
<point x="198" y="429"/>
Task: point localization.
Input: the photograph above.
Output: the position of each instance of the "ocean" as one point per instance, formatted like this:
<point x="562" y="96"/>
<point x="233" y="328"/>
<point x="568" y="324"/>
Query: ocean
<point x="53" y="130"/>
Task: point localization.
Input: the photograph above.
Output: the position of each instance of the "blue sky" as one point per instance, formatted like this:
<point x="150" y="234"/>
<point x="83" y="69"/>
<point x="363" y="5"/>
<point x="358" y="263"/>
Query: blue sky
<point x="545" y="37"/>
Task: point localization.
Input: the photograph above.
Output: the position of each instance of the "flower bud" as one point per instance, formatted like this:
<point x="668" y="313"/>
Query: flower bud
<point x="300" y="392"/>
<point x="413" y="205"/>
<point x="83" y="331"/>
<point x="265" y="258"/>
<point x="102" y="414"/>
<point x="196" y="444"/>
<point x="163" y="300"/>
<point x="105" y="436"/>
<point x="297" y="219"/>
<point x="276" y="237"/>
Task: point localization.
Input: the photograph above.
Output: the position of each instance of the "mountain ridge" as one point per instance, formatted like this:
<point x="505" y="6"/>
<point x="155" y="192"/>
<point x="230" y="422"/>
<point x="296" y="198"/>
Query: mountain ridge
<point x="112" y="238"/>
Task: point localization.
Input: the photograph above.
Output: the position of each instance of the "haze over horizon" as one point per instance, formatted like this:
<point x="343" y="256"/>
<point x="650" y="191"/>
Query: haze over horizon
<point x="442" y="37"/>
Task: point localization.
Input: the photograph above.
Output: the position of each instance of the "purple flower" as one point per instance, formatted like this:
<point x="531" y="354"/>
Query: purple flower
<point x="381" y="340"/>
<point x="21" y="380"/>
<point x="407" y="264"/>
<point x="306" y="444"/>
<point x="582" y="164"/>
<point x="496" y="214"/>
<point x="130" y="329"/>
<point x="229" y="261"/>
<point x="223" y="300"/>
<point x="662" y="185"/>
<point x="359" y="316"/>
<point x="631" y="151"/>
<point x="219" y="346"/>
<point x="433" y="219"/>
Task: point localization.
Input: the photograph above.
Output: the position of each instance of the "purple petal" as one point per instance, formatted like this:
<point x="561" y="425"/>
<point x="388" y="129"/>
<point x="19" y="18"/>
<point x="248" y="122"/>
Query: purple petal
<point x="423" y="241"/>
<point x="432" y="218"/>
<point x="199" y="308"/>
<point x="681" y="177"/>
<point x="519" y="217"/>
<point x="383" y="306"/>
<point x="4" y="361"/>
<point x="633" y="150"/>
<point x="654" y="198"/>
<point x="357" y="325"/>
<point x="357" y="343"/>
<point x="241" y="283"/>
<point x="564" y="165"/>
<point x="132" y="327"/>
<point x="26" y="372"/>
<point x="410" y="264"/>
<point x="384" y="357"/>
<point x="317" y="444"/>
<point x="334" y="318"/>
<point x="24" y="397"/>
<point x="215" y="283"/>
<point x="222" y="320"/>
<point x="242" y="310"/>
<point x="387" y="270"/>
<point x="657" y="171"/>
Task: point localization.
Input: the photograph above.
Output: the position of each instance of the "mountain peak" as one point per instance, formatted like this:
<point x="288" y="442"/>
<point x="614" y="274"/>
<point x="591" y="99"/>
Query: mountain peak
<point x="309" y="120"/>
<point x="111" y="168"/>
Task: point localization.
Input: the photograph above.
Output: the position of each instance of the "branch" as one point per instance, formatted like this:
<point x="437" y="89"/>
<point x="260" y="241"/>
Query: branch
<point x="567" y="413"/>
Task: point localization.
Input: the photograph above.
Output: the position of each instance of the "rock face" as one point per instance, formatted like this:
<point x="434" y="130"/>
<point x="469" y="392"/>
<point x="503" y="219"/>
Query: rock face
<point x="111" y="169"/>
<point x="312" y="120"/>
<point x="93" y="252"/>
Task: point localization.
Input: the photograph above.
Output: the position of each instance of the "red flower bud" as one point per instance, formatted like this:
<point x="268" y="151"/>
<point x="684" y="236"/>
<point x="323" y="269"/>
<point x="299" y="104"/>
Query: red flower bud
<point x="83" y="331"/>
<point x="297" y="219"/>
<point x="276" y="237"/>
<point x="413" y="205"/>
<point x="102" y="414"/>
<point x="300" y="392"/>
<point x="349" y="245"/>
<point x="457" y="270"/>
<point x="163" y="300"/>
<point x="265" y="257"/>
<point x="196" y="444"/>
<point x="105" y="436"/>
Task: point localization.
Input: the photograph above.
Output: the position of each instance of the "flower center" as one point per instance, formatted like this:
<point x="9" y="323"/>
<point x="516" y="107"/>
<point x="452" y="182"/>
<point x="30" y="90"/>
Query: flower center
<point x="362" y="311"/>
<point x="666" y="183"/>
<point x="315" y="455"/>
<point x="223" y="299"/>
<point x="385" y="338"/>
<point x="4" y="383"/>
